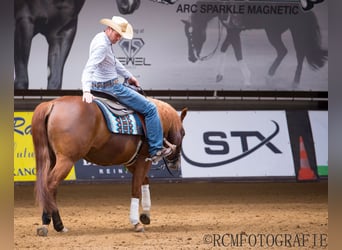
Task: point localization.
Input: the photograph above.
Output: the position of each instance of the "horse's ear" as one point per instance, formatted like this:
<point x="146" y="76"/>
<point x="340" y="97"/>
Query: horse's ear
<point x="183" y="113"/>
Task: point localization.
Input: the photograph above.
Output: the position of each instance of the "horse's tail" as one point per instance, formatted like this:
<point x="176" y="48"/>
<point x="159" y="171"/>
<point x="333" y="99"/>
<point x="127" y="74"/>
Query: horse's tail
<point x="310" y="34"/>
<point x="43" y="156"/>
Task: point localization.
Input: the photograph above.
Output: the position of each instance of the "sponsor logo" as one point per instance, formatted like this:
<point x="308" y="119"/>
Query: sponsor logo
<point x="131" y="48"/>
<point x="216" y="144"/>
<point x="239" y="6"/>
<point x="22" y="126"/>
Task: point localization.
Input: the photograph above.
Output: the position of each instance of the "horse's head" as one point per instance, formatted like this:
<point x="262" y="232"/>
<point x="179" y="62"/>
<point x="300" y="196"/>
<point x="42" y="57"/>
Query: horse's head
<point x="173" y="130"/>
<point x="175" y="136"/>
<point x="127" y="7"/>
<point x="196" y="36"/>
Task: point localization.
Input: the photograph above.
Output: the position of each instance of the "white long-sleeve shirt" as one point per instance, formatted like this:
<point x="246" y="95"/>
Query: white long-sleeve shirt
<point x="102" y="64"/>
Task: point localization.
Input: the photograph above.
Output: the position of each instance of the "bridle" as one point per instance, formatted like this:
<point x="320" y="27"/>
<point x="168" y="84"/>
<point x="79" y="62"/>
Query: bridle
<point x="212" y="53"/>
<point x="171" y="161"/>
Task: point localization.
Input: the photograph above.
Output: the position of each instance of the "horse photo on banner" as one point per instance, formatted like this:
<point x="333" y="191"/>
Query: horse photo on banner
<point x="255" y="30"/>
<point x="57" y="22"/>
<point x="230" y="45"/>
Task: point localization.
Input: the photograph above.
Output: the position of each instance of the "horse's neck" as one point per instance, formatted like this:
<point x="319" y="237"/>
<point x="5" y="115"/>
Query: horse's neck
<point x="202" y="20"/>
<point x="167" y="115"/>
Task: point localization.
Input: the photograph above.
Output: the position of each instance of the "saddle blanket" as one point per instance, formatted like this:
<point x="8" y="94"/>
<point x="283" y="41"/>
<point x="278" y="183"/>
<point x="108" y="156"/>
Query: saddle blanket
<point x="129" y="124"/>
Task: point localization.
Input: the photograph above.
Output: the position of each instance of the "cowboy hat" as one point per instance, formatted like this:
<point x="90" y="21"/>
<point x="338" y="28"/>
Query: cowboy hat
<point x="120" y="25"/>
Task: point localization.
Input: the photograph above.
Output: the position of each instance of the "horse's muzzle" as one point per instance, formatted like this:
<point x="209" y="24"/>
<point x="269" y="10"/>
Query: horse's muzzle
<point x="192" y="58"/>
<point x="175" y="166"/>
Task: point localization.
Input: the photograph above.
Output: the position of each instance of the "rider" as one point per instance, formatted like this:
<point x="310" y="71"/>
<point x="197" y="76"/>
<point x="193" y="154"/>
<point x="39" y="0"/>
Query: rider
<point x="101" y="74"/>
<point x="232" y="21"/>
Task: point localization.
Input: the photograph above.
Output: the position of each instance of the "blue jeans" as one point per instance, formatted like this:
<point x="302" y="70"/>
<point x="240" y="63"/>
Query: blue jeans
<point x="142" y="105"/>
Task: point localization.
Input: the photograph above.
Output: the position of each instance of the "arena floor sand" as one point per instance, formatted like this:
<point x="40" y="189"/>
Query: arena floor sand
<point x="184" y="216"/>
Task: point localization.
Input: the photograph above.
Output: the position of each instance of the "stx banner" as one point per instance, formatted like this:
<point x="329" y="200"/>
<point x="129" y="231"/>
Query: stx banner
<point x="237" y="144"/>
<point x="24" y="158"/>
<point x="227" y="44"/>
<point x="217" y="144"/>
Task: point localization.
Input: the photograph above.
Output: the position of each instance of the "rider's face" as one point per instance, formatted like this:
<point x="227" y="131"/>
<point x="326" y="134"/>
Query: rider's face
<point x="113" y="35"/>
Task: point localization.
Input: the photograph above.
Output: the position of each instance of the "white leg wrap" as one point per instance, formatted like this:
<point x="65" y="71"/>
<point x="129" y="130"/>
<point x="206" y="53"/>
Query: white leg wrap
<point x="134" y="212"/>
<point x="245" y="72"/>
<point x="145" y="197"/>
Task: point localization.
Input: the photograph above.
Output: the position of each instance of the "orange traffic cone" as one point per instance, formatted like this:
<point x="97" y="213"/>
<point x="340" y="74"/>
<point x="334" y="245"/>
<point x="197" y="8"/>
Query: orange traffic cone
<point x="305" y="172"/>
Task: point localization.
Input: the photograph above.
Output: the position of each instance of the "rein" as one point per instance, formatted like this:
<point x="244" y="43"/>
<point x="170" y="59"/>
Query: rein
<point x="211" y="54"/>
<point x="168" y="168"/>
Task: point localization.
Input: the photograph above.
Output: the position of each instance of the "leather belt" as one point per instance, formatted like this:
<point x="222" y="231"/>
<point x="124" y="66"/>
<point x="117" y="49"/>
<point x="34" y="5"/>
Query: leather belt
<point x="106" y="84"/>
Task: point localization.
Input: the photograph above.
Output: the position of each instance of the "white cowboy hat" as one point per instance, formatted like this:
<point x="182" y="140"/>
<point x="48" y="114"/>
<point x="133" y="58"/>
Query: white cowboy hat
<point x="119" y="24"/>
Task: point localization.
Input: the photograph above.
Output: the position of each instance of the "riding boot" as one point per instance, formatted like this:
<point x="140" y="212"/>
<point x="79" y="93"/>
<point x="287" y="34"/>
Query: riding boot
<point x="160" y="154"/>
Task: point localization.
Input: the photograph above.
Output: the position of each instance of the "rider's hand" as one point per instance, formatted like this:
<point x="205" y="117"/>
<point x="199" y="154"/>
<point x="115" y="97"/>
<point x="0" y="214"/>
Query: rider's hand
<point x="87" y="97"/>
<point x="133" y="81"/>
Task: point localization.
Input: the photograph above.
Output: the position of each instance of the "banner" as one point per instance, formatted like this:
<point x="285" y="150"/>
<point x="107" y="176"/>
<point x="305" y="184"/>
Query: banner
<point x="89" y="171"/>
<point x="236" y="144"/>
<point x="230" y="45"/>
<point x="319" y="126"/>
<point x="25" y="166"/>
<point x="24" y="157"/>
<point x="217" y="144"/>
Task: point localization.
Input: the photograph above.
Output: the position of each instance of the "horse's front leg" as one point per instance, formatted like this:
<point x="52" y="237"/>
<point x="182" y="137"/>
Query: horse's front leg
<point x="138" y="179"/>
<point x="145" y="202"/>
<point x="134" y="209"/>
<point x="233" y="38"/>
<point x="23" y="34"/>
<point x="60" y="41"/>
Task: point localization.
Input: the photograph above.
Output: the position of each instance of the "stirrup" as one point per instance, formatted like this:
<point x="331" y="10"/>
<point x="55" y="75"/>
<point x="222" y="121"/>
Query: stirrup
<point x="160" y="154"/>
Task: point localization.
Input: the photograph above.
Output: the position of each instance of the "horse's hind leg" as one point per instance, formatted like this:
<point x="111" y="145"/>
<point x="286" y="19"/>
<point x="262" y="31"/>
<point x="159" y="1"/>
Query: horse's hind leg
<point x="58" y="173"/>
<point x="299" y="46"/>
<point x="275" y="39"/>
<point x="298" y="73"/>
<point x="46" y="220"/>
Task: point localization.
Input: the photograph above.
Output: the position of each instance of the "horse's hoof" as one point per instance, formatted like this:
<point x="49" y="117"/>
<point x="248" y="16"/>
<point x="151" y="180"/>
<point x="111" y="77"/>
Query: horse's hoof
<point x="219" y="78"/>
<point x="138" y="228"/>
<point x="64" y="230"/>
<point x="42" y="231"/>
<point x="145" y="219"/>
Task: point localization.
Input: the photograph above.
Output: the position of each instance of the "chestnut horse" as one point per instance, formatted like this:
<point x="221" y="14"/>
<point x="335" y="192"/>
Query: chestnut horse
<point x="67" y="129"/>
